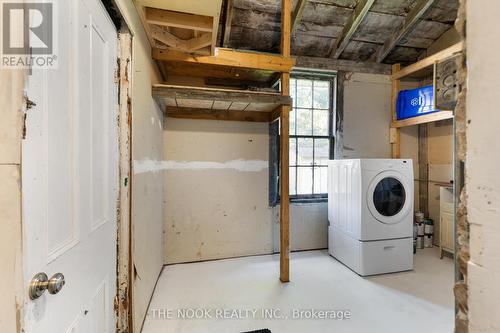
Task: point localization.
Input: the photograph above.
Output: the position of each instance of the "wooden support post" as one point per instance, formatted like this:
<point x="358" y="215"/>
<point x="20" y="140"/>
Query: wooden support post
<point x="395" y="132"/>
<point x="284" y="184"/>
<point x="423" y="169"/>
<point x="284" y="148"/>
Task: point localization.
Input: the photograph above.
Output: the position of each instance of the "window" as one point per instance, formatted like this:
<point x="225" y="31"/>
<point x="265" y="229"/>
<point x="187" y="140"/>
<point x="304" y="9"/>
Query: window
<point x="311" y="138"/>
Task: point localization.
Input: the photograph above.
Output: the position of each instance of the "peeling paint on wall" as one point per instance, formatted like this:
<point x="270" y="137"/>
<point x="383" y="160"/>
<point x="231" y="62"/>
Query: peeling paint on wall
<point x="143" y="166"/>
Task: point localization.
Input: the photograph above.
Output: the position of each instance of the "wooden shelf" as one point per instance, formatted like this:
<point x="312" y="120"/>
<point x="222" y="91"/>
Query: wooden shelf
<point x="428" y="118"/>
<point x="218" y="104"/>
<point x="423" y="67"/>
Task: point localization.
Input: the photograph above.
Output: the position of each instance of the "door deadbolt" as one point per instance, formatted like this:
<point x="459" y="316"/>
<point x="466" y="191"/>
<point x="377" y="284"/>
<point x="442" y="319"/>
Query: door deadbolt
<point x="41" y="282"/>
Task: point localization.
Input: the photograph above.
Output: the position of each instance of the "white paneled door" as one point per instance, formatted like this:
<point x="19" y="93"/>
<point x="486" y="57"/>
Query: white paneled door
<point x="70" y="177"/>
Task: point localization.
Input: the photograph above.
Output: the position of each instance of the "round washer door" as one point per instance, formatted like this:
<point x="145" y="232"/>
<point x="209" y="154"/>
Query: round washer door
<point x="388" y="198"/>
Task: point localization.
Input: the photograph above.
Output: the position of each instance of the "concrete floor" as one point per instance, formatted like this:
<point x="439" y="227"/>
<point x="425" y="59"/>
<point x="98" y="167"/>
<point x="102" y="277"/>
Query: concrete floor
<point x="417" y="301"/>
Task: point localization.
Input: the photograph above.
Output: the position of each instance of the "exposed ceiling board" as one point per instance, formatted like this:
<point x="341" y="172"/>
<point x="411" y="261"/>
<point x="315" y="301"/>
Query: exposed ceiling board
<point x="253" y="39"/>
<point x="404" y="55"/>
<point x="264" y="21"/>
<point x="444" y="11"/>
<point x="306" y="45"/>
<point x="330" y="64"/>
<point x="376" y="27"/>
<point x="394" y="7"/>
<point x="326" y="14"/>
<point x="340" y="3"/>
<point x="256" y="26"/>
<point x="314" y="29"/>
<point x="360" y="51"/>
<point x="255" y="19"/>
<point x="268" y="6"/>
<point x="428" y="29"/>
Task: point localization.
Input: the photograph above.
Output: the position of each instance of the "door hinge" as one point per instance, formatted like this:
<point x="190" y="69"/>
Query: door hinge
<point x="29" y="103"/>
<point x="117" y="70"/>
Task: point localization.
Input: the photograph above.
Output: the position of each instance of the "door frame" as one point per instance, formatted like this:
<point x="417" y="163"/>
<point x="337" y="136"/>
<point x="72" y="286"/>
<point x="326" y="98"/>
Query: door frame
<point x="123" y="306"/>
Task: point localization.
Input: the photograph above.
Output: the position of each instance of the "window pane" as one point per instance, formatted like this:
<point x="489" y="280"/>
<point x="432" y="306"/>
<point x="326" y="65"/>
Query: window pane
<point x="320" y="180"/>
<point x="292" y="122"/>
<point x="293" y="152"/>
<point x="304" y="122"/>
<point x="321" y="94"/>
<point x="320" y="118"/>
<point x="304" y="93"/>
<point x="292" y="91"/>
<point x="321" y="151"/>
<point x="292" y="180"/>
<point x="305" y="151"/>
<point x="304" y="180"/>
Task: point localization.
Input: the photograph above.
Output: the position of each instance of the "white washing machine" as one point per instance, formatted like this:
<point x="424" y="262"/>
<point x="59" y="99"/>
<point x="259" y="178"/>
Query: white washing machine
<point x="370" y="213"/>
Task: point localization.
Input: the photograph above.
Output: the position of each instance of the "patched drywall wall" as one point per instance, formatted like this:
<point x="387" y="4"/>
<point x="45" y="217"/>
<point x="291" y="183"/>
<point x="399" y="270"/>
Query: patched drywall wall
<point x="440" y="158"/>
<point x="147" y="189"/>
<point x="482" y="161"/>
<point x="216" y="190"/>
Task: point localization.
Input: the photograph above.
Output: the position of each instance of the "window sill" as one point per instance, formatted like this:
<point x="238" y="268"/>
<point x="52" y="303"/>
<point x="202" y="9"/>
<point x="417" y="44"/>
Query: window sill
<point x="304" y="200"/>
<point x="299" y="200"/>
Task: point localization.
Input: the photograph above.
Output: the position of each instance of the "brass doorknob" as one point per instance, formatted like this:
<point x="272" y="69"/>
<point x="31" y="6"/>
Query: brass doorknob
<point x="40" y="283"/>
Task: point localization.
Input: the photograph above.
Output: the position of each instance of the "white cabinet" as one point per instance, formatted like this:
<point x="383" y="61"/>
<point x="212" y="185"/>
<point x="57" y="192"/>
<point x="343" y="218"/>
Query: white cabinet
<point x="446" y="220"/>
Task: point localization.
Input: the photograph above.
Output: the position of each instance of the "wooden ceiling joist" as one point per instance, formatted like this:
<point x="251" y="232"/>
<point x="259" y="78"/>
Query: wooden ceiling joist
<point x="232" y="58"/>
<point x="411" y="19"/>
<point x="342" y="65"/>
<point x="297" y="14"/>
<point x="352" y="24"/>
<point x="169" y="18"/>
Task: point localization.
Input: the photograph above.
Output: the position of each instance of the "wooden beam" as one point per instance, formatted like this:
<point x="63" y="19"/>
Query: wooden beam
<point x="423" y="169"/>
<point x="169" y="18"/>
<point x="211" y="114"/>
<point x="342" y="65"/>
<point x="429" y="61"/>
<point x="286" y="8"/>
<point x="395" y="132"/>
<point x="284" y="147"/>
<point x="428" y="118"/>
<point x="298" y="12"/>
<point x="231" y="58"/>
<point x="168" y="39"/>
<point x="411" y="19"/>
<point x="227" y="26"/>
<point x="351" y="26"/>
<point x="284" y="184"/>
<point x="200" y="42"/>
<point x="202" y="93"/>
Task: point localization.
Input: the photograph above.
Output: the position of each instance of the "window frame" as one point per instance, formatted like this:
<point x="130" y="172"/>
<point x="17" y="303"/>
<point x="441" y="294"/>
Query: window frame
<point x="316" y="76"/>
